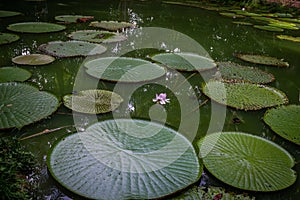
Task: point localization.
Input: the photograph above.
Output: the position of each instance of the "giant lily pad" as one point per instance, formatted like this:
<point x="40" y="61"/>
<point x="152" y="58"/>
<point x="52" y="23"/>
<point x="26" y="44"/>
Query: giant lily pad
<point x="35" y="27"/>
<point x="268" y="28"/>
<point x="284" y="121"/>
<point x="9" y="74"/>
<point x="234" y="72"/>
<point x="288" y="37"/>
<point x="33" y="59"/>
<point x="247" y="162"/>
<point x="123" y="69"/>
<point x="111" y="25"/>
<point x="72" y="48"/>
<point x="124" y="159"/>
<point x="6" y="13"/>
<point x="6" y="38"/>
<point x="185" y="61"/>
<point x="22" y="104"/>
<point x="93" y="101"/>
<point x="262" y="59"/>
<point x="244" y="96"/>
<point x="97" y="36"/>
<point x="73" y="18"/>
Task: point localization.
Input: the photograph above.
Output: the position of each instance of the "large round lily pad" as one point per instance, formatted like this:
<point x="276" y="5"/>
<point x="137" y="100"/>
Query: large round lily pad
<point x="288" y="37"/>
<point x="9" y="74"/>
<point x="284" y="121"/>
<point x="6" y="38"/>
<point x="244" y="96"/>
<point x="35" y="27"/>
<point x="6" y="13"/>
<point x="93" y="101"/>
<point x="124" y="159"/>
<point x="111" y="25"/>
<point x="33" y="59"/>
<point x="71" y="48"/>
<point x="234" y="72"/>
<point x="22" y="104"/>
<point x="73" y="18"/>
<point x="247" y="162"/>
<point x="262" y="59"/>
<point x="185" y="61"/>
<point x="123" y="69"/>
<point x="97" y="36"/>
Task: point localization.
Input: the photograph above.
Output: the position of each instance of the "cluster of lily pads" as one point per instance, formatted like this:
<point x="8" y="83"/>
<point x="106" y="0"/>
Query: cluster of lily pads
<point x="139" y="159"/>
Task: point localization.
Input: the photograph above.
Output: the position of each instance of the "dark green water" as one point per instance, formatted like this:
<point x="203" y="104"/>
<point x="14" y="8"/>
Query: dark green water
<point x="217" y="35"/>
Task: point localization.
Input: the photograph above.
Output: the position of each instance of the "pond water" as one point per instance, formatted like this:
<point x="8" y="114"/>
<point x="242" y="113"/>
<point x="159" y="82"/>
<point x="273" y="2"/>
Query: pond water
<point x="218" y="36"/>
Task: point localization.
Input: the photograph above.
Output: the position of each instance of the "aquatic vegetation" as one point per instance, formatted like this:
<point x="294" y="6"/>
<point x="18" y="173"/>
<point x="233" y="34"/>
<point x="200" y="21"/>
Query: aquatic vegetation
<point x="35" y="27"/>
<point x="23" y="104"/>
<point x="124" y="159"/>
<point x="185" y="61"/>
<point x="242" y="23"/>
<point x="244" y="96"/>
<point x="161" y="98"/>
<point x="262" y="59"/>
<point x="265" y="19"/>
<point x="232" y="15"/>
<point x="10" y="74"/>
<point x="33" y="59"/>
<point x="6" y="13"/>
<point x="284" y="25"/>
<point x="284" y="121"/>
<point x="97" y="36"/>
<point x="289" y="38"/>
<point x="234" y="72"/>
<point x="93" y="101"/>
<point x="6" y="38"/>
<point x="71" y="48"/>
<point x="247" y="161"/>
<point x="111" y="25"/>
<point x="268" y="28"/>
<point x="73" y="18"/>
<point x="123" y="69"/>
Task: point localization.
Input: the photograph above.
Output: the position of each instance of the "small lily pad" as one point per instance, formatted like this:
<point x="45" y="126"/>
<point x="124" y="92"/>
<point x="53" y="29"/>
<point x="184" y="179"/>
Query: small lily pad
<point x="268" y="28"/>
<point x="93" y="101"/>
<point x="286" y="15"/>
<point x="231" y="15"/>
<point x="10" y="74"/>
<point x="97" y="36"/>
<point x="262" y="59"/>
<point x="123" y="69"/>
<point x="248" y="14"/>
<point x="185" y="61"/>
<point x="288" y="37"/>
<point x="284" y="121"/>
<point x="71" y="48"/>
<point x="234" y="72"/>
<point x="244" y="96"/>
<point x="35" y="27"/>
<point x="124" y="159"/>
<point x="33" y="59"/>
<point x="6" y="38"/>
<point x="22" y="104"/>
<point x="290" y="20"/>
<point x="247" y="161"/>
<point x="6" y="13"/>
<point x="111" y="25"/>
<point x="73" y="18"/>
<point x="242" y="23"/>
<point x="284" y="25"/>
<point x="265" y="19"/>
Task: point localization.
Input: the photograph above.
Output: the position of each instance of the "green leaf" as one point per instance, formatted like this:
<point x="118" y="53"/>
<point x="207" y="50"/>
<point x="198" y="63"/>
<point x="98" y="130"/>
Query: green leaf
<point x="22" y="104"/>
<point x="124" y="159"/>
<point x="262" y="59"/>
<point x="123" y="69"/>
<point x="244" y="96"/>
<point x="9" y="74"/>
<point x="288" y="37"/>
<point x="33" y="59"/>
<point x="268" y="28"/>
<point x="242" y="23"/>
<point x="284" y="25"/>
<point x="35" y="27"/>
<point x="5" y="13"/>
<point x="111" y="25"/>
<point x="71" y="48"/>
<point x="97" y="36"/>
<point x="185" y="61"/>
<point x="72" y="18"/>
<point x="93" y="101"/>
<point x="6" y="38"/>
<point x="284" y="121"/>
<point x="234" y="72"/>
<point x="247" y="162"/>
<point x="231" y="15"/>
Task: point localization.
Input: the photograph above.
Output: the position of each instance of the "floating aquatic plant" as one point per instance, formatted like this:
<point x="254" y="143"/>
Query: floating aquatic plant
<point x="242" y="23"/>
<point x="6" y="13"/>
<point x="111" y="25"/>
<point x="124" y="159"/>
<point x="289" y="38"/>
<point x="10" y="74"/>
<point x="35" y="27"/>
<point x="73" y="18"/>
<point x="247" y="161"/>
<point x="232" y="15"/>
<point x="33" y="59"/>
<point x="97" y="36"/>
<point x="6" y="38"/>
<point x="268" y="28"/>
<point x="262" y="59"/>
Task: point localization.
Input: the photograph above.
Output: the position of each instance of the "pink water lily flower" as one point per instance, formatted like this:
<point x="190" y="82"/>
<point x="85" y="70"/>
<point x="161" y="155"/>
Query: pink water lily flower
<point x="161" y="98"/>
